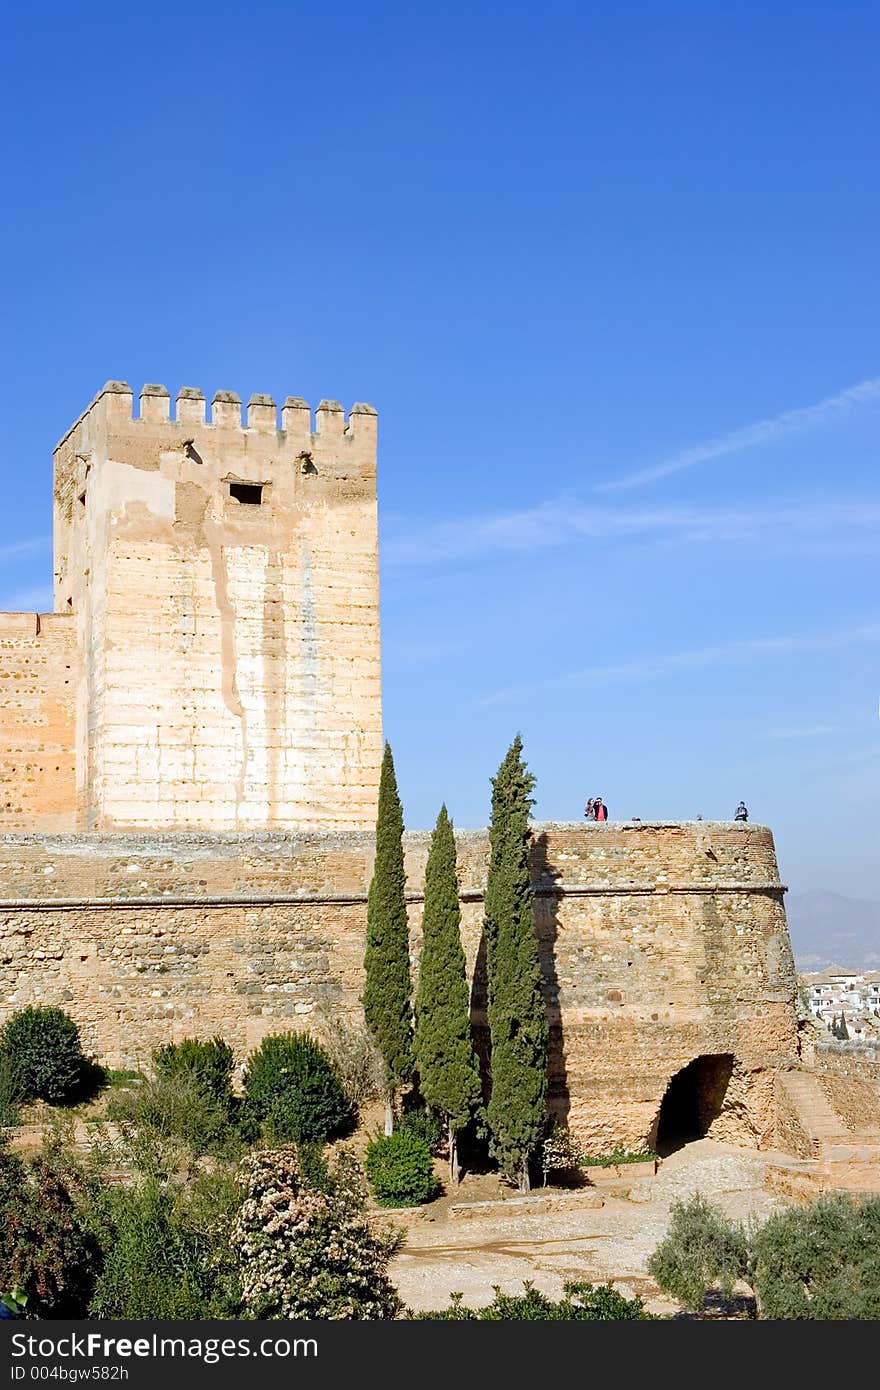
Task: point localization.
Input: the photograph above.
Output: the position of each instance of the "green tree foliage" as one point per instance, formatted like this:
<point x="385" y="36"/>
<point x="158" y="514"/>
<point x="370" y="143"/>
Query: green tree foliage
<point x="208" y="1062"/>
<point x="401" y="1169"/>
<point x="293" y="1090"/>
<point x="820" y="1261"/>
<point x="46" y="1247"/>
<point x="580" y="1303"/>
<point x="516" y="1011"/>
<point x="168" y="1253"/>
<point x="449" y="1077"/>
<point x="309" y="1252"/>
<point x="388" y="986"/>
<point x="45" y="1056"/>
<point x="842" y="1030"/>
<point x="702" y="1250"/>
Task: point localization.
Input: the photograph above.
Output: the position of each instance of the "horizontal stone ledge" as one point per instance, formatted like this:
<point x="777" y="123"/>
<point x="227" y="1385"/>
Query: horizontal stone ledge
<point x="356" y="899"/>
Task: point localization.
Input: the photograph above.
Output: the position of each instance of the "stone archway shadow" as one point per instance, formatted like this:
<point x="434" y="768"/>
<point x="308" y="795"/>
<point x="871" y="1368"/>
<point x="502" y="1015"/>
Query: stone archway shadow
<point x="693" y="1100"/>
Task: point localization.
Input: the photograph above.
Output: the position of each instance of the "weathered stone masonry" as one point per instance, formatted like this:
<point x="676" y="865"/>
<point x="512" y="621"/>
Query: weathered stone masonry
<point x="216" y="618"/>
<point x="660" y="943"/>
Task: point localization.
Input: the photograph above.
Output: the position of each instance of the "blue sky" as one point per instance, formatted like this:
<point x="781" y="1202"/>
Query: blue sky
<point x="609" y="274"/>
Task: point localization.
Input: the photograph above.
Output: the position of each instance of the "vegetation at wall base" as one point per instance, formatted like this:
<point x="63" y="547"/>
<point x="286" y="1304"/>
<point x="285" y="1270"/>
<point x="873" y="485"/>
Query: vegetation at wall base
<point x="401" y="1170"/>
<point x="449" y="1077"/>
<point x="357" y="1059"/>
<point x="207" y="1062"/>
<point x="618" y="1158"/>
<point x="294" y="1092"/>
<point x="45" y="1056"/>
<point x="387" y="985"/>
<point x="166" y="1123"/>
<point x="516" y="1010"/>
<point x="580" y="1303"/>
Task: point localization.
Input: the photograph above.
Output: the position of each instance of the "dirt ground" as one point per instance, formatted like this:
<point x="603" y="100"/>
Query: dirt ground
<point x="445" y="1253"/>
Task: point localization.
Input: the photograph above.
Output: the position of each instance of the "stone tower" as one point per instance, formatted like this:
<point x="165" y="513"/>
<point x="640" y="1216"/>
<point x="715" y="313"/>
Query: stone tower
<point x="217" y="618"/>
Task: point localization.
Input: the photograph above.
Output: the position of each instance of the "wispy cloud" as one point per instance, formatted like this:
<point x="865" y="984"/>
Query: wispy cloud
<point x="652" y="666"/>
<point x="567" y="520"/>
<point x="763" y="432"/>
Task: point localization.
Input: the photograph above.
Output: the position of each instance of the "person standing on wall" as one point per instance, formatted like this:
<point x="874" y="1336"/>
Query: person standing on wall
<point x="590" y="809"/>
<point x="741" y="813"/>
<point x="600" y="810"/>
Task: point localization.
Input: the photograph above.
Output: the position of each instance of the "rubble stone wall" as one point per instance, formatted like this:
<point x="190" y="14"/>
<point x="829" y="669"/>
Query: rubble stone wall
<point x="659" y="943"/>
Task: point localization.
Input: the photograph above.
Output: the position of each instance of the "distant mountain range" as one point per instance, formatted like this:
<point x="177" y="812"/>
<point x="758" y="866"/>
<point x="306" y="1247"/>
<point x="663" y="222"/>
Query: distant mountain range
<point x="828" y="929"/>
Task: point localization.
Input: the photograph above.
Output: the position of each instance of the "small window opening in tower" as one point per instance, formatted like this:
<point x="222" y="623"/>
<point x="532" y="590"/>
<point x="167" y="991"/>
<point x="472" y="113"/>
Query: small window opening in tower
<point x="82" y="499"/>
<point x="249" y="493"/>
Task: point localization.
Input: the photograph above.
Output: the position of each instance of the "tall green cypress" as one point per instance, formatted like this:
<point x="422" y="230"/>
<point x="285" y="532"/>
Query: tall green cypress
<point x="388" y="987"/>
<point x="449" y="1078"/>
<point x="516" y="1010"/>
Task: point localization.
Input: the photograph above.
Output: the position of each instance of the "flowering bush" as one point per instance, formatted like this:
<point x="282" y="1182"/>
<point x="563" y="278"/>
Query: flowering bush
<point x="561" y="1149"/>
<point x="309" y="1253"/>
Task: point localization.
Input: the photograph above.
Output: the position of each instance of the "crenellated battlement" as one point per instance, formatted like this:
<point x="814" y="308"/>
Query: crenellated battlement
<point x="219" y="560"/>
<point x="116" y="405"/>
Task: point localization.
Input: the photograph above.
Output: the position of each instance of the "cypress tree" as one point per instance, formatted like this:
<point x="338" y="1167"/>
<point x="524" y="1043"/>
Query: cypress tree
<point x="516" y="1011"/>
<point x="449" y="1077"/>
<point x="387" y="987"/>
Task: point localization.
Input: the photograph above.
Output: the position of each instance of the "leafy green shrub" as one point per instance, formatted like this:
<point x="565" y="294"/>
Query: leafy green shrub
<point x="294" y="1091"/>
<point x="45" y="1056"/>
<point x="208" y="1062"/>
<point x="46" y="1247"/>
<point x="168" y="1254"/>
<point x="401" y="1170"/>
<point x="702" y="1249"/>
<point x="310" y="1254"/>
<point x="424" y="1124"/>
<point x="580" y="1303"/>
<point x="820" y="1261"/>
<point x="166" y="1122"/>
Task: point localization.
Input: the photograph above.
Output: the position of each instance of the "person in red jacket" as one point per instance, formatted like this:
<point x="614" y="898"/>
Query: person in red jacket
<point x="600" y="810"/>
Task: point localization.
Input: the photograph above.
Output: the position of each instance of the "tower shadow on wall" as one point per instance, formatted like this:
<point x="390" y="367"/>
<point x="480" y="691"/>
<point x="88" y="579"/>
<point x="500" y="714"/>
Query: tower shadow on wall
<point x="545" y="881"/>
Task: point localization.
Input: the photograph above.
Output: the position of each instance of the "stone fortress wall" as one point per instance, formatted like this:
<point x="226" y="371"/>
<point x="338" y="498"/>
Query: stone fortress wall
<point x="660" y="944"/>
<point x="39" y="675"/>
<point x="190" y="746"/>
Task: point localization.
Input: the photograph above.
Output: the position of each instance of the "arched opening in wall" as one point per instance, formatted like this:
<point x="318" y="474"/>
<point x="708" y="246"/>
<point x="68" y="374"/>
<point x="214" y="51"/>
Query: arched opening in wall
<point x="693" y="1099"/>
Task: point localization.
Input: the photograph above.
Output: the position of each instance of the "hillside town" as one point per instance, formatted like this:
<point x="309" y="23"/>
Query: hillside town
<point x="845" y="1001"/>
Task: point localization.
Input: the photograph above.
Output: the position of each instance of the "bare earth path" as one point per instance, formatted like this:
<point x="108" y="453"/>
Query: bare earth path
<point x="549" y="1247"/>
